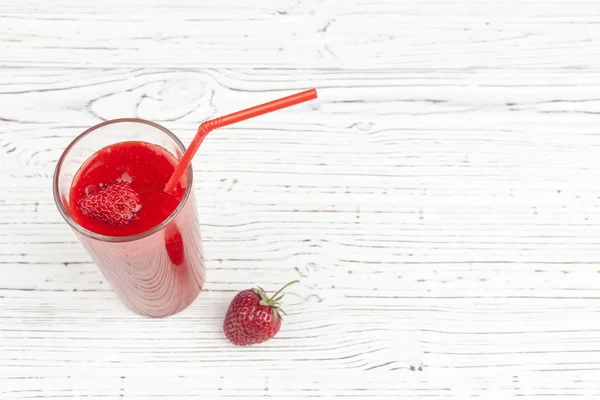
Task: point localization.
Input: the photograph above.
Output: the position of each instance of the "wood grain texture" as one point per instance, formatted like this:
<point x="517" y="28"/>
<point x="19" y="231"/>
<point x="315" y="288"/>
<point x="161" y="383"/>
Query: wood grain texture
<point x="439" y="202"/>
<point x="361" y="34"/>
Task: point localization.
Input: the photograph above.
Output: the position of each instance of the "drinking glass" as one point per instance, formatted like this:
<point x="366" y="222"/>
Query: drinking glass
<point x="158" y="272"/>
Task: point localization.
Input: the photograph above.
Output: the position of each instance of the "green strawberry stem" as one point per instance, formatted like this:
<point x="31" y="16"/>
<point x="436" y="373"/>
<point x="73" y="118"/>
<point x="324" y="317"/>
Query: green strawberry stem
<point x="273" y="301"/>
<point x="281" y="290"/>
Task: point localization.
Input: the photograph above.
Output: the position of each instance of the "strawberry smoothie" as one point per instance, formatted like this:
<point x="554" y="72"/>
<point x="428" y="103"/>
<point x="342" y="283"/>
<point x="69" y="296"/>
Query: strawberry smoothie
<point x="146" y="242"/>
<point x="118" y="191"/>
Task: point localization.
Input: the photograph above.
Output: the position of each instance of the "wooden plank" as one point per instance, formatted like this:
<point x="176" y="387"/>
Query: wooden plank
<point x="422" y="34"/>
<point x="409" y="384"/>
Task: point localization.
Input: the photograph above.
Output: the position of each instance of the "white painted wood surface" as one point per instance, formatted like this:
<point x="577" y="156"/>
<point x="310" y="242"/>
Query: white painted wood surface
<point x="440" y="202"/>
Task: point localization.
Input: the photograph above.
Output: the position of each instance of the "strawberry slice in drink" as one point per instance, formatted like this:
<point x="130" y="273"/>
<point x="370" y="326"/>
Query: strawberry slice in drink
<point x="115" y="204"/>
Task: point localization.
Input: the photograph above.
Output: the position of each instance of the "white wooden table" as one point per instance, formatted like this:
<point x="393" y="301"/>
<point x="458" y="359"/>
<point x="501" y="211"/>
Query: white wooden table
<point x="439" y="202"/>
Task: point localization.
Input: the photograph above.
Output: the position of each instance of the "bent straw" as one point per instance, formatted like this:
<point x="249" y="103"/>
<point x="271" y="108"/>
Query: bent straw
<point x="207" y="126"/>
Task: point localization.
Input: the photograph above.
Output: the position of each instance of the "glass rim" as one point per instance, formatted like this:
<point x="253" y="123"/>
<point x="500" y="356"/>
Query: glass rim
<point x="118" y="239"/>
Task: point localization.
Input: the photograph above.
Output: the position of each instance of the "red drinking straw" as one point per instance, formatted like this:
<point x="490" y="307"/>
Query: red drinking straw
<point x="207" y="126"/>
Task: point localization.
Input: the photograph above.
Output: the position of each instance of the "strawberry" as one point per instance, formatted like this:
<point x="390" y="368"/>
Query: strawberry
<point x="115" y="204"/>
<point x="174" y="244"/>
<point x="253" y="317"/>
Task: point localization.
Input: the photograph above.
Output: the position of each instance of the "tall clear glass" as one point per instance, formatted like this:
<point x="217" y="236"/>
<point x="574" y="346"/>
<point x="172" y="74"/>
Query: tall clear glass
<point x="158" y="272"/>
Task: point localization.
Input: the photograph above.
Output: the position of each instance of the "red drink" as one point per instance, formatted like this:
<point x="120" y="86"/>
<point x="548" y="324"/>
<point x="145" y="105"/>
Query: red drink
<point x="142" y="166"/>
<point x="146" y="242"/>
